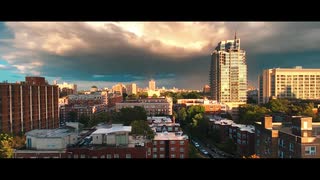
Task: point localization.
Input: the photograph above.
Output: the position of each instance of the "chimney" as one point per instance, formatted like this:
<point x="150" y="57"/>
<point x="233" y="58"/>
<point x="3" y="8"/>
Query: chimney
<point x="267" y="122"/>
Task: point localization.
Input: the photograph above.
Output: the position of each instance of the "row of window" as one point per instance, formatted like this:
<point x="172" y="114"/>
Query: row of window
<point x="171" y="142"/>
<point x="171" y="156"/>
<point x="171" y="149"/>
<point x="108" y="156"/>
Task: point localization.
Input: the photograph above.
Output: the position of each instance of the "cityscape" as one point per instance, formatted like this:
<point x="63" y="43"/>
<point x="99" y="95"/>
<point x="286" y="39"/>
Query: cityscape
<point x="159" y="90"/>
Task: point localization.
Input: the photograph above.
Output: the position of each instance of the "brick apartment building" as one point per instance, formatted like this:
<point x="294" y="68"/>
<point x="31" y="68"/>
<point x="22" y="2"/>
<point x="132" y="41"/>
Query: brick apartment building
<point x="169" y="145"/>
<point x="210" y="106"/>
<point x="28" y="105"/>
<point x="153" y="106"/>
<point x="242" y="135"/>
<point x="296" y="139"/>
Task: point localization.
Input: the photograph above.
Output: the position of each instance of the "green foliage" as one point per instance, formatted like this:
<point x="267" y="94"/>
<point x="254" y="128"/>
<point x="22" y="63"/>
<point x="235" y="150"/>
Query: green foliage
<point x="127" y="115"/>
<point x="142" y="95"/>
<point x="8" y="143"/>
<point x="193" y="110"/>
<point x="248" y="114"/>
<point x="95" y="119"/>
<point x="141" y="127"/>
<point x="124" y="95"/>
<point x="183" y="95"/>
<point x="182" y="115"/>
<point x="72" y="116"/>
<point x="132" y="97"/>
<point x="154" y="96"/>
<point x="278" y="105"/>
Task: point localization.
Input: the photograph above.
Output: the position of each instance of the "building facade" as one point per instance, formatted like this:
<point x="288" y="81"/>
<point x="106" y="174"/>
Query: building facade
<point x="292" y="83"/>
<point x="67" y="89"/>
<point x="228" y="72"/>
<point x="131" y="88"/>
<point x="298" y="138"/>
<point x="153" y="106"/>
<point x="152" y="85"/>
<point x="28" y="105"/>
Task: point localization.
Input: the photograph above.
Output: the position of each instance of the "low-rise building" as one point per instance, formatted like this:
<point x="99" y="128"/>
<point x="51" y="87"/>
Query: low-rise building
<point x="153" y="106"/>
<point x="47" y="143"/>
<point x="299" y="138"/>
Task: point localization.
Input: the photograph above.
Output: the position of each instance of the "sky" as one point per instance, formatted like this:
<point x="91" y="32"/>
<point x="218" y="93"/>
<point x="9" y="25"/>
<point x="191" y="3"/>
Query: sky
<point x="175" y="54"/>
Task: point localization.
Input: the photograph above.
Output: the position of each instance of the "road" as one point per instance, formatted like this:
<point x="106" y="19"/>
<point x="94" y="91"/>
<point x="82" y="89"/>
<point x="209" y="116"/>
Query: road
<point x="213" y="151"/>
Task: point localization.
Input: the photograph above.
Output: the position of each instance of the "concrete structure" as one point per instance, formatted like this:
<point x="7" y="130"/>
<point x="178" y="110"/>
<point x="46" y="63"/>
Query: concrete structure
<point x="131" y="88"/>
<point x="289" y="83"/>
<point x="153" y="106"/>
<point x="161" y="124"/>
<point x="210" y="106"/>
<point x="28" y="105"/>
<point x="228" y="72"/>
<point x="117" y="135"/>
<point x="152" y="85"/>
<point x="299" y="138"/>
<point x="50" y="139"/>
<point x="119" y="89"/>
<point x="67" y="89"/>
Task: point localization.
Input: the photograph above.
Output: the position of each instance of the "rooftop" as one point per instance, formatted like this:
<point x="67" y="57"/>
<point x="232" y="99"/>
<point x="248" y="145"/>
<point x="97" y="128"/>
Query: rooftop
<point x="170" y="136"/>
<point x="113" y="129"/>
<point x="48" y="133"/>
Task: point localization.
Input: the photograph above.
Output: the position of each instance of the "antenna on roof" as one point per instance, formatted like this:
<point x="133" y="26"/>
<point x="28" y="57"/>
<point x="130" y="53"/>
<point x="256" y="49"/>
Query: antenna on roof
<point x="235" y="35"/>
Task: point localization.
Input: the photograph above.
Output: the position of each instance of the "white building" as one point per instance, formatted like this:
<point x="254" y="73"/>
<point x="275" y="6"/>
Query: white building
<point x="289" y="83"/>
<point x="68" y="86"/>
<point x="50" y="139"/>
<point x="152" y="85"/>
<point x="115" y="135"/>
<point x="131" y="88"/>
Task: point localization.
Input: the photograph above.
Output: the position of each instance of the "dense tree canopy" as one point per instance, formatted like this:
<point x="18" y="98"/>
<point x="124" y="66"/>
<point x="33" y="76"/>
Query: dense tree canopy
<point x="141" y="127"/>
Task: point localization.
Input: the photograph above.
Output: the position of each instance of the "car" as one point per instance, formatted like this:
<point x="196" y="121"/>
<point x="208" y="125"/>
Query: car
<point x="204" y="151"/>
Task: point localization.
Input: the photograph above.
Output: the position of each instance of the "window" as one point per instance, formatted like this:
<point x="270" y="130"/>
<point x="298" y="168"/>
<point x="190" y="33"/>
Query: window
<point x="108" y="156"/>
<point x="172" y="149"/>
<point x="181" y="149"/>
<point x="161" y="155"/>
<point x="305" y="125"/>
<point x="161" y="149"/>
<point x="181" y="142"/>
<point x="154" y="149"/>
<point x="161" y="142"/>
<point x="102" y="156"/>
<point x="173" y="156"/>
<point x="310" y="150"/>
<point x="291" y="147"/>
<point x="181" y="156"/>
<point x="281" y="154"/>
<point x="128" y="156"/>
<point x="116" y="155"/>
<point x="172" y="142"/>
<point x="75" y="156"/>
<point x="154" y="142"/>
<point x="94" y="157"/>
<point x="154" y="155"/>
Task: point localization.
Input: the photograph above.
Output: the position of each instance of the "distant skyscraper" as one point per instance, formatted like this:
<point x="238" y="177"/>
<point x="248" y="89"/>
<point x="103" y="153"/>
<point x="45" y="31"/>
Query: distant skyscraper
<point x="289" y="83"/>
<point x="228" y="72"/>
<point x="152" y="85"/>
<point x="131" y="88"/>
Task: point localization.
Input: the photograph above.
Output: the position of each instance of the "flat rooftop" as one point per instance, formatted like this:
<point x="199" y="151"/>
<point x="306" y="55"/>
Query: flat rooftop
<point x="113" y="129"/>
<point x="169" y="136"/>
<point x="49" y="133"/>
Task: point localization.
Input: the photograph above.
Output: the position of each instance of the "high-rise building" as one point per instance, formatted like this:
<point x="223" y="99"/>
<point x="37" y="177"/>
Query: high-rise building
<point x="228" y="72"/>
<point x="289" y="83"/>
<point x="228" y="75"/>
<point x="152" y="85"/>
<point x="119" y="88"/>
<point x="28" y="105"/>
<point x="131" y="88"/>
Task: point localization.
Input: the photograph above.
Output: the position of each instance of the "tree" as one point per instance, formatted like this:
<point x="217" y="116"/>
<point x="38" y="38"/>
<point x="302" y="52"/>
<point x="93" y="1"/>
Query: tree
<point x="124" y="95"/>
<point x="154" y="96"/>
<point x="193" y="110"/>
<point x="72" y="116"/>
<point x="127" y="115"/>
<point x="8" y="143"/>
<point x="141" y="127"/>
<point x="278" y="105"/>
<point x="84" y="119"/>
<point x="182" y="115"/>
<point x="142" y="95"/>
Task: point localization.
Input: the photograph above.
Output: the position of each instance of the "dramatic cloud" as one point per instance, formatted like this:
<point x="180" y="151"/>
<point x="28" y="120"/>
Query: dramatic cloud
<point x="174" y="53"/>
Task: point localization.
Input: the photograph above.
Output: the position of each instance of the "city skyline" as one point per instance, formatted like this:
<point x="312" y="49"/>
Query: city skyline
<point x="172" y="53"/>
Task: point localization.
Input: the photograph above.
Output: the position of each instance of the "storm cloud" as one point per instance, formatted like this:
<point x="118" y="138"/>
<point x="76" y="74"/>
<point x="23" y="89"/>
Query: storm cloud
<point x="174" y="53"/>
